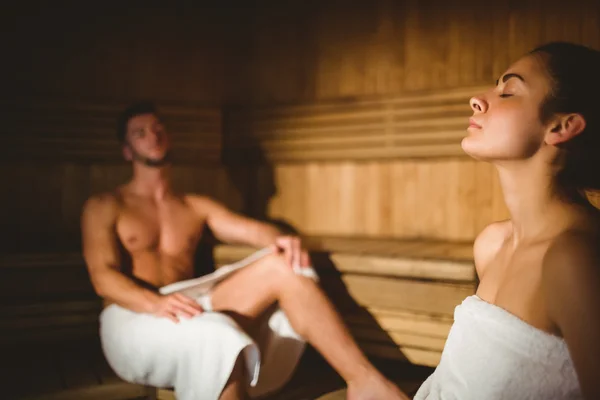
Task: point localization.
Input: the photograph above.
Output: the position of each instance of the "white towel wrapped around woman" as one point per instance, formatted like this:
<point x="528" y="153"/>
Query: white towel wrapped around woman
<point x="196" y="356"/>
<point x="491" y="354"/>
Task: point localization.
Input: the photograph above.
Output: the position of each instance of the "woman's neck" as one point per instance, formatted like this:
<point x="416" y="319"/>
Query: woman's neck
<point x="537" y="210"/>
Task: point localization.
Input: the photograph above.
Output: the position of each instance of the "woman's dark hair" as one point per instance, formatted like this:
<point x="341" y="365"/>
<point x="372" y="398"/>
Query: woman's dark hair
<point x="143" y="107"/>
<point x="574" y="71"/>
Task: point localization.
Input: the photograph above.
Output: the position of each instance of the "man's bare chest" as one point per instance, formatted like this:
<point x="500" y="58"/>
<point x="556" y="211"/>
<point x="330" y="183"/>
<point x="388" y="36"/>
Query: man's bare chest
<point x="169" y="227"/>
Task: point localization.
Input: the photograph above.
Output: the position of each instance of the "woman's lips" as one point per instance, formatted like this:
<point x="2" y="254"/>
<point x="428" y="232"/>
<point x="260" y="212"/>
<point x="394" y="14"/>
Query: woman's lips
<point x="473" y="124"/>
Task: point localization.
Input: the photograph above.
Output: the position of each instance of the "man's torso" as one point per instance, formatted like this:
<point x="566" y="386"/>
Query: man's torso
<point x="159" y="238"/>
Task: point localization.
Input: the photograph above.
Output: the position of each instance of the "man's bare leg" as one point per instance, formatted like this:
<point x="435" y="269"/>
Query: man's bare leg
<point x="235" y="389"/>
<point x="252" y="290"/>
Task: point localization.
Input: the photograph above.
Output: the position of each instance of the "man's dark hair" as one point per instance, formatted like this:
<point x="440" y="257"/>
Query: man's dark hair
<point x="142" y="107"/>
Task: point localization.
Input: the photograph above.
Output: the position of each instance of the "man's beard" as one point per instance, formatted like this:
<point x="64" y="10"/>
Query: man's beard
<point x="151" y="162"/>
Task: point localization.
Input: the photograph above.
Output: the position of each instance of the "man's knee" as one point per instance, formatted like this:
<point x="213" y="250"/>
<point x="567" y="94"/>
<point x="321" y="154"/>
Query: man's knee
<point x="274" y="269"/>
<point x="274" y="266"/>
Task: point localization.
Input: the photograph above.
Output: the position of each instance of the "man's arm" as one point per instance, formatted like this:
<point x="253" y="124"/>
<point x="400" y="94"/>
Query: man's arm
<point x="231" y="227"/>
<point x="101" y="254"/>
<point x="571" y="285"/>
<point x="102" y="257"/>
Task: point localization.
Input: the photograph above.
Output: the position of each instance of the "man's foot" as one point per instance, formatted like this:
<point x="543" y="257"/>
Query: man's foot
<point x="374" y="386"/>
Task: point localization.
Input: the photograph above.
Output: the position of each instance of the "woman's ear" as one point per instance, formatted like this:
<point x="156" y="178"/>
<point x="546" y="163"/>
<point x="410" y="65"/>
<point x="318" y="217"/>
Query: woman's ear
<point x="564" y="128"/>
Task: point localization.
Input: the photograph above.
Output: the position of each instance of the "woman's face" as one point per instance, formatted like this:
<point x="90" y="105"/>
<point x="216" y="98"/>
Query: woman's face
<point x="506" y="121"/>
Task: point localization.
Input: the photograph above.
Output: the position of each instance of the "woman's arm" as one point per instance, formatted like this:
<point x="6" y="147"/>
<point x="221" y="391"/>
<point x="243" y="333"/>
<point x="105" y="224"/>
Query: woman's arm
<point x="571" y="285"/>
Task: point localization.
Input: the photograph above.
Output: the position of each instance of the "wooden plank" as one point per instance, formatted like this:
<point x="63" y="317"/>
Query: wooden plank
<point x="358" y="130"/>
<point x="417" y="259"/>
<point x="398" y="338"/>
<point x="49" y="336"/>
<point x="165" y="394"/>
<point x="51" y="131"/>
<point x="386" y="293"/>
<point x="113" y="391"/>
<point x="403" y="321"/>
<point x="404" y="267"/>
<point x="51" y="308"/>
<point x="417" y="356"/>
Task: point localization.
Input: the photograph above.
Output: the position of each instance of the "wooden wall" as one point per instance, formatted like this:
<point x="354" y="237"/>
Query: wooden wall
<point x="67" y="70"/>
<point x="307" y="53"/>
<point x="304" y="51"/>
<point x="117" y="51"/>
<point x="243" y="55"/>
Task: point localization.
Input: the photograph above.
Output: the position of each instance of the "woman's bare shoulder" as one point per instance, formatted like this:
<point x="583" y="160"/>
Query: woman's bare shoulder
<point x="488" y="243"/>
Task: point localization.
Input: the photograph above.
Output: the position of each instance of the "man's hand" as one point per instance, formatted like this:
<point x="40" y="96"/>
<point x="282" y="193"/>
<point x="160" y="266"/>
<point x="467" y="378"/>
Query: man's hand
<point x="294" y="255"/>
<point x="175" y="305"/>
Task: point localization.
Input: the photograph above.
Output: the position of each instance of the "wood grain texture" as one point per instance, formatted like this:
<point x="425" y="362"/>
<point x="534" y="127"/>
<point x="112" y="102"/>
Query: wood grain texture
<point x="451" y="200"/>
<point x="42" y="214"/>
<point x="306" y="51"/>
<point x="406" y="126"/>
<point x="397" y="297"/>
<point x="47" y="130"/>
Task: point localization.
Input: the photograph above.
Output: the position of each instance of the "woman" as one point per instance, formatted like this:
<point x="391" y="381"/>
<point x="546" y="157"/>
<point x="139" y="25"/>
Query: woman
<point x="532" y="331"/>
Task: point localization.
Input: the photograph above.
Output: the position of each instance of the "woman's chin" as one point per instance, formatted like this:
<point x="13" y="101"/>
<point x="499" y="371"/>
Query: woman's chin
<point x="472" y="147"/>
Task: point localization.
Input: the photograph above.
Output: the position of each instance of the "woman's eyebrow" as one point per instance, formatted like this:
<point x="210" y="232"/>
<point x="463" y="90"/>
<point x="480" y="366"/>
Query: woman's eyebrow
<point x="506" y="77"/>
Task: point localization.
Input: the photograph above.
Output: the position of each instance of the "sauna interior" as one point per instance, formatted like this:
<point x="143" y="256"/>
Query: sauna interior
<point x="340" y="121"/>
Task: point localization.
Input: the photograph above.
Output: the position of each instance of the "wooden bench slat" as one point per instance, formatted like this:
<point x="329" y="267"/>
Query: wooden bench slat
<point x="426" y="297"/>
<point x="397" y="338"/>
<point x="77" y="368"/>
<point x="112" y="391"/>
<point x="404" y="267"/>
<point x="413" y="355"/>
<point x="403" y="321"/>
<point x="51" y="308"/>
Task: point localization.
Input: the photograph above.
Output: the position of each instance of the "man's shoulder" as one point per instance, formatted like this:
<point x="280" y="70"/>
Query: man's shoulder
<point x="488" y="243"/>
<point x="105" y="202"/>
<point x="205" y="206"/>
<point x="200" y="200"/>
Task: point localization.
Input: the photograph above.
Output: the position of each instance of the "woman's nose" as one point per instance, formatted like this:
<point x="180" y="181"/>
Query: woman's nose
<point x="478" y="104"/>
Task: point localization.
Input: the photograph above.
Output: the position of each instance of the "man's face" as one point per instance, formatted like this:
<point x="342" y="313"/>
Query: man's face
<point x="146" y="140"/>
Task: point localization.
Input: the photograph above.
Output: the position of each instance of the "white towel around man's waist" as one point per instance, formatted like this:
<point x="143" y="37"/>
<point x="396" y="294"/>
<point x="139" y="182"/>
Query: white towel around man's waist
<point x="197" y="355"/>
<point x="491" y="354"/>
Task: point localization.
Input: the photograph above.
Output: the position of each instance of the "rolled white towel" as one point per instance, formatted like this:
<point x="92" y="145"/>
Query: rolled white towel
<point x="491" y="354"/>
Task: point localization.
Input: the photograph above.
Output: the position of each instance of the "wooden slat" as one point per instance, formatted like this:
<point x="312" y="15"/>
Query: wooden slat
<point x="394" y="294"/>
<point x="418" y="125"/>
<point x="403" y="321"/>
<point x="52" y="308"/>
<point x="49" y="321"/>
<point x="434" y="199"/>
<point x="50" y="130"/>
<point x="399" y="338"/>
<point x="417" y="356"/>
<point x="404" y="267"/>
<point x="382" y="247"/>
<point x="165" y="394"/>
<point x="113" y="391"/>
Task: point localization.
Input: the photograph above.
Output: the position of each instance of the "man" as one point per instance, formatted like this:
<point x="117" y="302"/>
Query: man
<point x="210" y="347"/>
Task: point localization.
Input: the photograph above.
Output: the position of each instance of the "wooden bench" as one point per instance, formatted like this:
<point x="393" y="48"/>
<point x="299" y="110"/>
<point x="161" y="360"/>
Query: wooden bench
<point x="49" y="333"/>
<point x="396" y="296"/>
